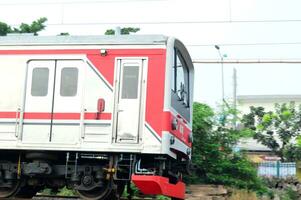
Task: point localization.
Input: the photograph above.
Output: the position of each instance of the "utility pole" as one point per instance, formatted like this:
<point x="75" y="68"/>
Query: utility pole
<point x="224" y="103"/>
<point x="222" y="71"/>
<point x="234" y="97"/>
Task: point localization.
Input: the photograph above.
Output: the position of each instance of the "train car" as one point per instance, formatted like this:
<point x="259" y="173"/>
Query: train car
<point x="94" y="113"/>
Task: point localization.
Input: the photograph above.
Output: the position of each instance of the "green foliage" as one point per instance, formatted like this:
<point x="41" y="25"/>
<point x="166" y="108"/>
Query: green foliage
<point x="4" y="29"/>
<point x="124" y="31"/>
<point x="213" y="156"/>
<point x="63" y="34"/>
<point x="291" y="194"/>
<point x="110" y="32"/>
<point x="277" y="129"/>
<point x="48" y="191"/>
<point x="286" y="194"/>
<point x="160" y="197"/>
<point x="66" y="192"/>
<point x="61" y="192"/>
<point x="135" y="191"/>
<point x="34" y="27"/>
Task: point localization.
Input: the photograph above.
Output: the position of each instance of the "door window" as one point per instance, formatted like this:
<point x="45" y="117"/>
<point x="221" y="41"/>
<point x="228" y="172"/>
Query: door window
<point x="69" y="82"/>
<point x="130" y="82"/>
<point x="39" y="82"/>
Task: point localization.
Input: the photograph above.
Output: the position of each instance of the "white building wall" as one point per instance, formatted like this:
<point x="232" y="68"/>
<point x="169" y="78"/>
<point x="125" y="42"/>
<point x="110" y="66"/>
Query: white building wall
<point x="266" y="101"/>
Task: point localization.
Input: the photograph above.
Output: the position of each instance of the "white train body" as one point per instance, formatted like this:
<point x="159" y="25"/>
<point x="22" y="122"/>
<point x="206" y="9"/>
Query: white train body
<point x="112" y="94"/>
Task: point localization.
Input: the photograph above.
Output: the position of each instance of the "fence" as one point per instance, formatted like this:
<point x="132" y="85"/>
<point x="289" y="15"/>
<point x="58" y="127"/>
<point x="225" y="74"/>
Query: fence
<point x="277" y="169"/>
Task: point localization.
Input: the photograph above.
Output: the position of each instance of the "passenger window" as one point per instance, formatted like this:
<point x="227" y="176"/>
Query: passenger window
<point x="69" y="82"/>
<point x="130" y="82"/>
<point x="39" y="82"/>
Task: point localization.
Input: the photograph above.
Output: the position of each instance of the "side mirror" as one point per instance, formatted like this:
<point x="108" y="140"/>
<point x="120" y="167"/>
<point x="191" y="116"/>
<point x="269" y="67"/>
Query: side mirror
<point x="101" y="105"/>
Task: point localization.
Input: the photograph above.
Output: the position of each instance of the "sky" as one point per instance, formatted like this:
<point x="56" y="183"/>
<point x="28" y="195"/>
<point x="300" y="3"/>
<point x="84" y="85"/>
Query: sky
<point x="244" y="29"/>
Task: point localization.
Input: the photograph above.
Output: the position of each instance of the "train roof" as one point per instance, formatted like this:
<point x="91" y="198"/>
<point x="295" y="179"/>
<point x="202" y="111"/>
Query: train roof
<point x="30" y="40"/>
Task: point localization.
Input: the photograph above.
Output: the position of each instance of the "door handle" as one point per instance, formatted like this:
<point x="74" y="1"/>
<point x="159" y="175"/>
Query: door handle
<point x="120" y="110"/>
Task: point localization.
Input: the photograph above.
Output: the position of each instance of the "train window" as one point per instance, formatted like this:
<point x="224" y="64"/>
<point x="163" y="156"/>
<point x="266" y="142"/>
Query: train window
<point x="180" y="79"/>
<point x="130" y="82"/>
<point x="69" y="81"/>
<point x="39" y="82"/>
<point x="180" y="85"/>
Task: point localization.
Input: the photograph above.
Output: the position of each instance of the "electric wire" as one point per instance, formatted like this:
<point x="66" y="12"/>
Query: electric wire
<point x="10" y="3"/>
<point x="169" y="22"/>
<point x="246" y="44"/>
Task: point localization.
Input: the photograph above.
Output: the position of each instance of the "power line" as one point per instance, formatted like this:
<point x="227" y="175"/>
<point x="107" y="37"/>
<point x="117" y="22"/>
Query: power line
<point x="74" y="2"/>
<point x="248" y="61"/>
<point x="9" y="3"/>
<point x="186" y="22"/>
<point x="167" y="22"/>
<point x="246" y="44"/>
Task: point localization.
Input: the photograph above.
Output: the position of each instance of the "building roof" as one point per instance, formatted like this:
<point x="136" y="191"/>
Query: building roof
<point x="30" y="40"/>
<point x="251" y="145"/>
<point x="268" y="98"/>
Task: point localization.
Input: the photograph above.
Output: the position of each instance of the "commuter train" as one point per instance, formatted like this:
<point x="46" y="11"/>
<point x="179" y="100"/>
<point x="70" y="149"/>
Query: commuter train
<point x="94" y="113"/>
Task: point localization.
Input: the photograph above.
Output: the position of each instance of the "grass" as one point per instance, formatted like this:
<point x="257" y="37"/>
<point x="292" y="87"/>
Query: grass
<point x="243" y="194"/>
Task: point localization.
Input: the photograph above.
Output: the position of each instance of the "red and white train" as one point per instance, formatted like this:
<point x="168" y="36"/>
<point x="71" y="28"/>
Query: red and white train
<point x="94" y="113"/>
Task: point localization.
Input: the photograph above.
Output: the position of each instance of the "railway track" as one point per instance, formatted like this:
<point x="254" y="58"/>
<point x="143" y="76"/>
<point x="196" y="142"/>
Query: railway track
<point x="50" y="197"/>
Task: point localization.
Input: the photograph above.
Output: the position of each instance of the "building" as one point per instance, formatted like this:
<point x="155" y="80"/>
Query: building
<point x="268" y="102"/>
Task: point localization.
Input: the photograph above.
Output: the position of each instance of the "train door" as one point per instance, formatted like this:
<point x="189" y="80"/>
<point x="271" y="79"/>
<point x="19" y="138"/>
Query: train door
<point x="52" y="102"/>
<point x="129" y="81"/>
<point x="38" y="101"/>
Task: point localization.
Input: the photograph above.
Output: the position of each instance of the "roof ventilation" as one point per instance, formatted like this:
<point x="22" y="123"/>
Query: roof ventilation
<point x="19" y="34"/>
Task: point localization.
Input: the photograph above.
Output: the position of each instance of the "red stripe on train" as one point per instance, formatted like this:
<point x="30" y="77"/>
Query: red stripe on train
<point x="58" y="116"/>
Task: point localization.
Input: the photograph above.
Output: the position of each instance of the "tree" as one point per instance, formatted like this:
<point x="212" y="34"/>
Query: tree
<point x="35" y="27"/>
<point x="4" y="29"/>
<point x="213" y="156"/>
<point x="276" y="129"/>
<point x="124" y="31"/>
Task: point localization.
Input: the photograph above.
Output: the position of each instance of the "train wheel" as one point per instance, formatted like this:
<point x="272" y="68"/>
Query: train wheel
<point x="97" y="193"/>
<point x="6" y="192"/>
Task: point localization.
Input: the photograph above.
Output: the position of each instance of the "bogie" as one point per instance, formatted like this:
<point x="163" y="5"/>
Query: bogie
<point x="93" y="176"/>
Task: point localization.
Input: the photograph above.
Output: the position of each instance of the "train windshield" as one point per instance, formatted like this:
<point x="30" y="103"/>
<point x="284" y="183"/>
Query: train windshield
<point x="180" y="85"/>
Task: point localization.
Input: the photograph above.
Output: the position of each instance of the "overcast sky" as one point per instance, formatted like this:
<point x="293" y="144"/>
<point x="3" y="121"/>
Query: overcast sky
<point x="244" y="29"/>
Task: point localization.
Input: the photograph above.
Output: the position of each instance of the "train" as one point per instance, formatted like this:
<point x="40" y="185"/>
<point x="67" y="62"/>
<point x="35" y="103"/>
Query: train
<point x="95" y="114"/>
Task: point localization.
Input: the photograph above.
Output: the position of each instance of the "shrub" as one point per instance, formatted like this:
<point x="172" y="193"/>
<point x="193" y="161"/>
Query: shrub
<point x="213" y="156"/>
